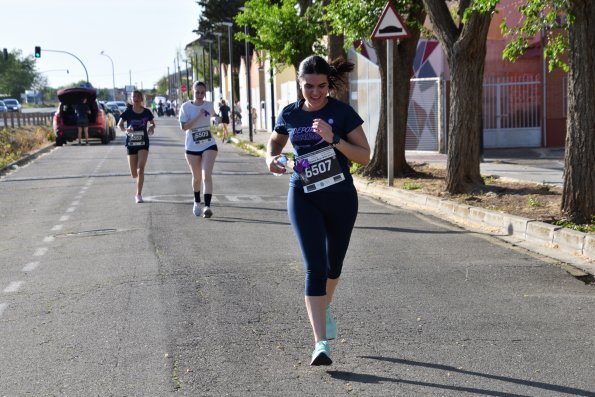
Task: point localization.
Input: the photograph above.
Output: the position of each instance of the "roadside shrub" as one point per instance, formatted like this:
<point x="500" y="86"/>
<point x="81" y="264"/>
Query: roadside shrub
<point x="17" y="142"/>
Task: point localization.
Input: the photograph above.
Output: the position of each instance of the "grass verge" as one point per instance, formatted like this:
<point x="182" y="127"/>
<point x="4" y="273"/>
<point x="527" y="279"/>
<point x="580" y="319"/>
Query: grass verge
<point x="15" y="143"/>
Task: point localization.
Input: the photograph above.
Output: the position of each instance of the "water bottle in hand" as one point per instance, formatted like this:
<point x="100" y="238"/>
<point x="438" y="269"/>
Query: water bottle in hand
<point x="283" y="161"/>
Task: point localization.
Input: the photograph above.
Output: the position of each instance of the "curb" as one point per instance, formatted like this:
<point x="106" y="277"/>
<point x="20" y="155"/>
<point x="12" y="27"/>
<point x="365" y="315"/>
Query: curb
<point x="560" y="243"/>
<point x="565" y="245"/>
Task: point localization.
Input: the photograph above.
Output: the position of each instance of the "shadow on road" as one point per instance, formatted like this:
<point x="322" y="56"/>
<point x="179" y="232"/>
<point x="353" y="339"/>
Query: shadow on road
<point x="366" y="378"/>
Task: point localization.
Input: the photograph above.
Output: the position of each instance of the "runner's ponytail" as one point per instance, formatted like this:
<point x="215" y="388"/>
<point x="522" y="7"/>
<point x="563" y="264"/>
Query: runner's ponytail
<point x="336" y="71"/>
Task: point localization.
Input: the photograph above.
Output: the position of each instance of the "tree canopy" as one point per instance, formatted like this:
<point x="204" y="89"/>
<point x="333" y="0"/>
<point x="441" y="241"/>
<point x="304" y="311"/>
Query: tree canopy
<point x="549" y="17"/>
<point x="17" y="74"/>
<point x="286" y="29"/>
<point x="212" y="14"/>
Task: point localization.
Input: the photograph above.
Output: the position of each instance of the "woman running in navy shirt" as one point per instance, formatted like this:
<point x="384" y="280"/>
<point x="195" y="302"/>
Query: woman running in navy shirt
<point x="138" y="122"/>
<point x="322" y="204"/>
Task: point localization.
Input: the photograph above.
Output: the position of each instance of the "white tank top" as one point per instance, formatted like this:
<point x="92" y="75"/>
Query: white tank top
<point x="199" y="137"/>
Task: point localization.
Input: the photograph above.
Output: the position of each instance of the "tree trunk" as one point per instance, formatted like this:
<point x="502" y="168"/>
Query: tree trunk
<point x="378" y="167"/>
<point x="578" y="196"/>
<point x="402" y="69"/>
<point x="402" y="72"/>
<point x="465" y="125"/>
<point x="465" y="46"/>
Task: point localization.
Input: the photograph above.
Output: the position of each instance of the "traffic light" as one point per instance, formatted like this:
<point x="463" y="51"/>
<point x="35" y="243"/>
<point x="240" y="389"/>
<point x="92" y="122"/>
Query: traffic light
<point x="37" y="52"/>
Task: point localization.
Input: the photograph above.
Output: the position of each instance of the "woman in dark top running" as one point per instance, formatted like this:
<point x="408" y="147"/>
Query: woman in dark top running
<point x="140" y="123"/>
<point x="224" y="113"/>
<point x="326" y="135"/>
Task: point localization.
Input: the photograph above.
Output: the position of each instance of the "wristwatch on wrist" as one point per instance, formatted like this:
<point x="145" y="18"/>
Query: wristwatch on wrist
<point x="336" y="139"/>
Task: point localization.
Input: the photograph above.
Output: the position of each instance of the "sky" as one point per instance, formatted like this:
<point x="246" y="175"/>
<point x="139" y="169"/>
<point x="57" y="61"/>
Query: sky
<point x="142" y="37"/>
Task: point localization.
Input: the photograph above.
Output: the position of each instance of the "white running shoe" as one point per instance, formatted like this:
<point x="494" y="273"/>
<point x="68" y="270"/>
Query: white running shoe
<point x="207" y="212"/>
<point x="139" y="199"/>
<point x="196" y="209"/>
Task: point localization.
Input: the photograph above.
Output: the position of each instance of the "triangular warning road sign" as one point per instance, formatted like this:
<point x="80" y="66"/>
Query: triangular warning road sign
<point x="390" y="25"/>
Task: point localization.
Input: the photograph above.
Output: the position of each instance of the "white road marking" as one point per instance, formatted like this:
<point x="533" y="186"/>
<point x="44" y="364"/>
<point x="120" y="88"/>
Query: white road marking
<point x="71" y="209"/>
<point x="75" y="203"/>
<point x="174" y="198"/>
<point x="57" y="228"/>
<point x="78" y="197"/>
<point x="48" y="239"/>
<point x="13" y="287"/>
<point x="29" y="267"/>
<point x="244" y="198"/>
<point x="3" y="307"/>
<point x="231" y="198"/>
<point x="64" y="218"/>
<point x="40" y="251"/>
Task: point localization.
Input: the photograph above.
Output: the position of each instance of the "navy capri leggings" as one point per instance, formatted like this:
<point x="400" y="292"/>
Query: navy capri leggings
<point x="322" y="222"/>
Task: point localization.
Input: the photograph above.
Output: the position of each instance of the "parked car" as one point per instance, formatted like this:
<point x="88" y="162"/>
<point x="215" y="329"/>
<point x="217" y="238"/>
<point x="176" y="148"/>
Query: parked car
<point x="12" y="104"/>
<point x="121" y="105"/>
<point x="3" y="107"/>
<point x="65" y="123"/>
<point x="114" y="109"/>
<point x="111" y="121"/>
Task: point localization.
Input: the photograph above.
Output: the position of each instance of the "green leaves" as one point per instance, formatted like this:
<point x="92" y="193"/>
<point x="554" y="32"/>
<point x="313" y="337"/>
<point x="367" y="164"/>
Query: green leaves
<point x="280" y="30"/>
<point x="17" y="74"/>
<point x="548" y="19"/>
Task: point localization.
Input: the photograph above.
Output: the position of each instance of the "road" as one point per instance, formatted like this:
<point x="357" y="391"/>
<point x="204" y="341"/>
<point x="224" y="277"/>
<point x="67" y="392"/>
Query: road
<point x="101" y="296"/>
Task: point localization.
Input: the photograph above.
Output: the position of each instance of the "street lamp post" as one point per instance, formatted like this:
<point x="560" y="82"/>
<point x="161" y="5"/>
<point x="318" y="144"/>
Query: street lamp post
<point x="229" y="38"/>
<point x="204" y="62"/>
<point x="248" y="67"/>
<point x="272" y="77"/>
<point x="77" y="58"/>
<point x="113" y="75"/>
<point x="188" y="85"/>
<point x="196" y="64"/>
<point x="210" y="43"/>
<point x="218" y="34"/>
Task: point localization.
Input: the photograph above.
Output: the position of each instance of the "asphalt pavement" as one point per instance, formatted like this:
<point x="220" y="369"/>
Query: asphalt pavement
<point x="102" y="296"/>
<point x="538" y="165"/>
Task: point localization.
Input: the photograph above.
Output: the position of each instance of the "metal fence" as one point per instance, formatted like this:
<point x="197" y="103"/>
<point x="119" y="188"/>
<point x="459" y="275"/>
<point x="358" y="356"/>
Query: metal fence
<point x="512" y="102"/>
<point x="426" y="116"/>
<point x="512" y="111"/>
<point x="12" y="119"/>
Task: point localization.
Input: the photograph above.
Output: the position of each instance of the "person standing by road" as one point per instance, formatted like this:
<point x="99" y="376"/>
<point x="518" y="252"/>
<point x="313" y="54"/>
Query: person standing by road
<point x="254" y="116"/>
<point x="224" y="113"/>
<point x="201" y="146"/>
<point x="140" y="123"/>
<point x="322" y="203"/>
<point x="82" y="120"/>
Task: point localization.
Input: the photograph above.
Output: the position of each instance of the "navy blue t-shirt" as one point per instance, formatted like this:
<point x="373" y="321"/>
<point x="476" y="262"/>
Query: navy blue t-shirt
<point x="297" y="123"/>
<point x="138" y="121"/>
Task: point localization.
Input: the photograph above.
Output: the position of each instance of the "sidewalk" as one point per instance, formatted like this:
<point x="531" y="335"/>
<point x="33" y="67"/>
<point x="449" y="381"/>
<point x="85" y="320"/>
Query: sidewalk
<point x="532" y="165"/>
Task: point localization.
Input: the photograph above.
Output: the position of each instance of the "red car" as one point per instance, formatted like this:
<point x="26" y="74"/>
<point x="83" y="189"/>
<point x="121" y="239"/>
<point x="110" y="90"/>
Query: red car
<point x="65" y="126"/>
